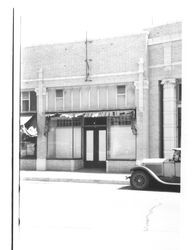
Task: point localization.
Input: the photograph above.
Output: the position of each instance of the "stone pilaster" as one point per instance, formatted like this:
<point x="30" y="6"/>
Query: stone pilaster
<point x="169" y="116"/>
<point x="41" y="138"/>
<point x="142" y="108"/>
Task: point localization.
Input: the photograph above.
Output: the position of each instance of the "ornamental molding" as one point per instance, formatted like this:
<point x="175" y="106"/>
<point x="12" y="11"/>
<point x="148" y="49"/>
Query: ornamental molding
<point x="168" y="82"/>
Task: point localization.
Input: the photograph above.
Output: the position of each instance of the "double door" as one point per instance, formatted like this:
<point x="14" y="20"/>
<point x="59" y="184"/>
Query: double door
<point x="95" y="147"/>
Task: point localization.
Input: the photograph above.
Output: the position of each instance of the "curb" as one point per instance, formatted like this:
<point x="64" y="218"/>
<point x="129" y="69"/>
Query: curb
<point x="75" y="180"/>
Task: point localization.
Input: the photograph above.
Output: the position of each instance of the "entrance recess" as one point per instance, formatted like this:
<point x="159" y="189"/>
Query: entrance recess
<point x="95" y="146"/>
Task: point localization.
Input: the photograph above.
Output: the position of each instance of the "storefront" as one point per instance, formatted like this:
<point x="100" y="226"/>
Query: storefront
<point x="91" y="138"/>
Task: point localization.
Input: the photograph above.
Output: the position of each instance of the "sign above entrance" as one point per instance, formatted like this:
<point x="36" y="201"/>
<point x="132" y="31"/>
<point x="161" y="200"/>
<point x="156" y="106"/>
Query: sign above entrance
<point x="110" y="113"/>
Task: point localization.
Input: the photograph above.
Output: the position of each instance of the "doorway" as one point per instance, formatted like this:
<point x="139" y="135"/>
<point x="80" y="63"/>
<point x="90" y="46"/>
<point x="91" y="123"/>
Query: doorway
<point x="95" y="146"/>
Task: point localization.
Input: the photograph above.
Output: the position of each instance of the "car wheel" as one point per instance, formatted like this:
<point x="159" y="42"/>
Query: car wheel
<point x="139" y="180"/>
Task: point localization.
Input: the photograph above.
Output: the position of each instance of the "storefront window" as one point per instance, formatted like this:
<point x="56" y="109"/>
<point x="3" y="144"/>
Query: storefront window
<point x="77" y="142"/>
<point x="64" y="142"/>
<point x="64" y="139"/>
<point x="27" y="147"/>
<point x="121" y="140"/>
<point x="28" y="136"/>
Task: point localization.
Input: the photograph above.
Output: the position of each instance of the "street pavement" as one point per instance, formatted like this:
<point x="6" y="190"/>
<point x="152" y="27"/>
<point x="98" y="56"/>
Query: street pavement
<point x="67" y="215"/>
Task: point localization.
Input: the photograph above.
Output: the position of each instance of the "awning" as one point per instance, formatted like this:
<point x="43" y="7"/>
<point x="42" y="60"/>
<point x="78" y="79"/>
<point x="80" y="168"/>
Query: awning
<point x="31" y="131"/>
<point x="129" y="113"/>
<point x="28" y="125"/>
<point x="24" y="119"/>
<point x="92" y="114"/>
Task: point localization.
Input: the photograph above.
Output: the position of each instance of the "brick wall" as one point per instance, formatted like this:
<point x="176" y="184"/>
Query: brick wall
<point x="63" y="60"/>
<point x="159" y="54"/>
<point x="165" y="30"/>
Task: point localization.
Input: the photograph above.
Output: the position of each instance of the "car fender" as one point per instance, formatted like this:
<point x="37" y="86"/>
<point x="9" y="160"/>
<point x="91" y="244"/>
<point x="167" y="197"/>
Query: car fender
<point x="151" y="173"/>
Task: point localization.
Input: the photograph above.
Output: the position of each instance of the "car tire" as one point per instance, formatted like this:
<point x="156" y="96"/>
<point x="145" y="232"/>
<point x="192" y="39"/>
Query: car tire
<point x="139" y="180"/>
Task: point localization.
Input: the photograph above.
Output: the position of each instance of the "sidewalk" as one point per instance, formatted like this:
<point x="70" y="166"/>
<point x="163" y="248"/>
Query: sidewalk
<point x="61" y="176"/>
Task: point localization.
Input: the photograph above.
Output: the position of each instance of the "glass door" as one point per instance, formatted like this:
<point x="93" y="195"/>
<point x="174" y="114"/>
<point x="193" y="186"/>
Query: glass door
<point x="95" y="147"/>
<point x="89" y="145"/>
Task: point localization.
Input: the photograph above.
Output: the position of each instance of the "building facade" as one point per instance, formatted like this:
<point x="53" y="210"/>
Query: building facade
<point x="101" y="103"/>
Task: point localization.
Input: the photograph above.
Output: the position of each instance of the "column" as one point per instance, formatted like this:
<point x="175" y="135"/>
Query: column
<point x="142" y="109"/>
<point x="41" y="138"/>
<point x="169" y="116"/>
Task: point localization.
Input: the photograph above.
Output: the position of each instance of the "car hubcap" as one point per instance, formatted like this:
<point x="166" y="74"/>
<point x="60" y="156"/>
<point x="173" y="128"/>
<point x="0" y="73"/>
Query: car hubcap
<point x="139" y="180"/>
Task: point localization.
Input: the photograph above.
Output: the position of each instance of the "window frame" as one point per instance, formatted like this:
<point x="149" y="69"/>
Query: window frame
<point x="73" y="123"/>
<point x="121" y="94"/>
<point x="59" y="98"/>
<point x="25" y="99"/>
<point x="118" y="121"/>
<point x="23" y="146"/>
<point x="29" y="101"/>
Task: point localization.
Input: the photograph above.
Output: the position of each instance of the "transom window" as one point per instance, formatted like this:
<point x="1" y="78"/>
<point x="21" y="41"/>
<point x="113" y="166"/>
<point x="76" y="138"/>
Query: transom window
<point x="122" y="120"/>
<point x="69" y="122"/>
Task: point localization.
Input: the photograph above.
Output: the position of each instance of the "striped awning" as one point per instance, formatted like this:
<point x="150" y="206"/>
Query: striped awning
<point x="24" y="119"/>
<point x="28" y="125"/>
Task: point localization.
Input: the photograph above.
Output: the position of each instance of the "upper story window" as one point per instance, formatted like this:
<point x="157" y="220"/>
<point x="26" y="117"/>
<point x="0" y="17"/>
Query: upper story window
<point x="29" y="101"/>
<point x="59" y="99"/>
<point x="121" y="95"/>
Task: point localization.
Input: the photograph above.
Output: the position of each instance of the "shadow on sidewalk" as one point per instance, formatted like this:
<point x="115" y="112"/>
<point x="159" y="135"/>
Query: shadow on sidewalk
<point x="156" y="187"/>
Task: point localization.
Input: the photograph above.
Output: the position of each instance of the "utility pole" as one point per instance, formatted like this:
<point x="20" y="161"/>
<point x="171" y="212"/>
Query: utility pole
<point x="87" y="60"/>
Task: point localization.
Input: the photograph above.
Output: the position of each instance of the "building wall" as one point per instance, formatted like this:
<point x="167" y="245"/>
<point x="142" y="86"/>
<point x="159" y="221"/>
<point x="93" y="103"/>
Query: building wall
<point x="105" y="56"/>
<point x="139" y="61"/>
<point x="91" y="98"/>
<point x="164" y="50"/>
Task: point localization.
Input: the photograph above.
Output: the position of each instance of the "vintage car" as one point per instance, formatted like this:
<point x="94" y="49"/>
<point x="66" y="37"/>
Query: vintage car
<point x="165" y="171"/>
